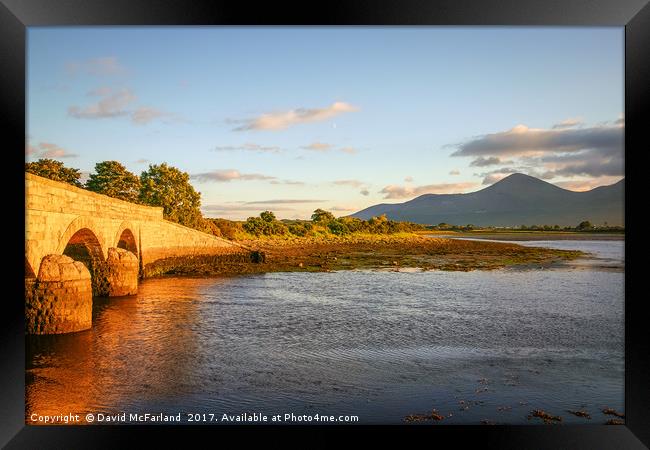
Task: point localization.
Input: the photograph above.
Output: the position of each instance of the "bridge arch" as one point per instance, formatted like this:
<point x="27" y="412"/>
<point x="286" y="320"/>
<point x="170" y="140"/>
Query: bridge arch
<point x="78" y="224"/>
<point x="84" y="246"/>
<point x="126" y="239"/>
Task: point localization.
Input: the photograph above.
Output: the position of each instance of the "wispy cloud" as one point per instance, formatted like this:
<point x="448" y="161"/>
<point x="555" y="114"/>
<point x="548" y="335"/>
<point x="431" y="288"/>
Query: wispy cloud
<point x="288" y="182"/>
<point x="250" y="147"/>
<point x="454" y="172"/>
<point x="238" y="209"/>
<point x="281" y="120"/>
<point x="318" y="147"/>
<point x="343" y="208"/>
<point x="48" y="150"/>
<point x="396" y="191"/>
<point x="112" y="104"/>
<point x="104" y="66"/>
<point x="226" y="176"/>
<point x="324" y="147"/>
<point x="568" y="123"/>
<point x="284" y="201"/>
<point x="142" y="161"/>
<point x="119" y="103"/>
<point x="353" y="183"/>
<point x="408" y="179"/>
<point x="145" y="114"/>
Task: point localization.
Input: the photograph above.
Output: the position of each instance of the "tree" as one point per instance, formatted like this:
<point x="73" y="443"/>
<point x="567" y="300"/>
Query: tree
<point x="338" y="227"/>
<point x="267" y="216"/>
<point x="166" y="186"/>
<point x="111" y="178"/>
<point x="584" y="225"/>
<point x="54" y="170"/>
<point x="322" y="216"/>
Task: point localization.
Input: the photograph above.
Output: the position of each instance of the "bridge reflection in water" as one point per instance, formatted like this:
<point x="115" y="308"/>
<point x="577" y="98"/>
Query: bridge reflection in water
<point x="137" y="353"/>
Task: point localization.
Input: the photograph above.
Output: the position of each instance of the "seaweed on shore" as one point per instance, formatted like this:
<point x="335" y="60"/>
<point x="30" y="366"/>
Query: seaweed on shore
<point x="613" y="412"/>
<point x="423" y="417"/>
<point x="582" y="413"/>
<point x="546" y="417"/>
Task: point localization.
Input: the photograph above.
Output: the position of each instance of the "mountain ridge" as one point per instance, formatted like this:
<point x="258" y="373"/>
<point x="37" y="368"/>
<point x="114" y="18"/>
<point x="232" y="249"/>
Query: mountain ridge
<point x="518" y="199"/>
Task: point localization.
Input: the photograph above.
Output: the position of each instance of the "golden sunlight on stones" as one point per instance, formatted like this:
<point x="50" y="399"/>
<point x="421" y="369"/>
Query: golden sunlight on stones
<point x="60" y="299"/>
<point x="122" y="273"/>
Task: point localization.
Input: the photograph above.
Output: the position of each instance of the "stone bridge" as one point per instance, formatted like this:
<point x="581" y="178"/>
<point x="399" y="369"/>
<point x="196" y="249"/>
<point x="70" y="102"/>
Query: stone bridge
<point x="80" y="244"/>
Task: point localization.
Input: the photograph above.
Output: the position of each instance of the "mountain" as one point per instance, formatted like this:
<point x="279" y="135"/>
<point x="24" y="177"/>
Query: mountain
<point x="516" y="200"/>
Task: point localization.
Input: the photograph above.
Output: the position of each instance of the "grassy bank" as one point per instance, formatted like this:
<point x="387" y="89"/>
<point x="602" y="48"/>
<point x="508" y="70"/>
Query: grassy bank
<point x="370" y="251"/>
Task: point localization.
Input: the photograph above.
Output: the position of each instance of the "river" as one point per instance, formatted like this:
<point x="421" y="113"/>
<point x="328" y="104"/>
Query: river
<point x="381" y="345"/>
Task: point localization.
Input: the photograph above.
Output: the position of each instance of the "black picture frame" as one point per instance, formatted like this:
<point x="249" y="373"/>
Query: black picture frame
<point x="634" y="15"/>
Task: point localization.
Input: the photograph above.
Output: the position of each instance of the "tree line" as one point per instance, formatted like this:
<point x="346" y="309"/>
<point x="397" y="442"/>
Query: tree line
<point x="168" y="187"/>
<point x="322" y="223"/>
<point x="585" y="225"/>
<point x="160" y="185"/>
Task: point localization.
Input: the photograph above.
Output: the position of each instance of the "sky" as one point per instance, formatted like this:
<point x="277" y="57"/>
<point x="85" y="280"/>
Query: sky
<point x="291" y="119"/>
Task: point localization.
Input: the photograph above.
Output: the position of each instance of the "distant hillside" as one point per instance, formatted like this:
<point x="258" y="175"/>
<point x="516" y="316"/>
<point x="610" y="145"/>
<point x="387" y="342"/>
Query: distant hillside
<point x="516" y="200"/>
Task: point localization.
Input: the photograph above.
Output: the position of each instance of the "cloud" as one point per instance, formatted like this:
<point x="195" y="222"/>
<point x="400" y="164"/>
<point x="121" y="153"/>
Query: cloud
<point x="142" y="161"/>
<point x="284" y="119"/>
<point x="549" y="153"/>
<point x="284" y="201"/>
<point x="145" y="114"/>
<point x="491" y="161"/>
<point x="524" y="141"/>
<point x="112" y="104"/>
<point x="318" y="147"/>
<point x="498" y="174"/>
<point x="343" y="208"/>
<point x="238" y="208"/>
<point x="454" y="172"/>
<point x="408" y="179"/>
<point x="568" y="123"/>
<point x="49" y="150"/>
<point x="248" y="147"/>
<point x="105" y="66"/>
<point x="323" y="147"/>
<point x="226" y="176"/>
<point x="117" y="103"/>
<point x="395" y="191"/>
<point x="289" y="182"/>
<point x="353" y="183"/>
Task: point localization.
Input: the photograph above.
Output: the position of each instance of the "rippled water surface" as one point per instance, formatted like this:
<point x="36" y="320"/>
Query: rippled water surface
<point x="381" y="345"/>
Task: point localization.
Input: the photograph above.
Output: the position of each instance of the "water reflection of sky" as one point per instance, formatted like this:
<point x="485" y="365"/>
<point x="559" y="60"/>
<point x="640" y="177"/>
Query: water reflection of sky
<point x="378" y="344"/>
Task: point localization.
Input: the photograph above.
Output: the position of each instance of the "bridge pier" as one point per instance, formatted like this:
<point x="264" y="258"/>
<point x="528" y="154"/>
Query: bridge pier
<point x="59" y="299"/>
<point x="121" y="273"/>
